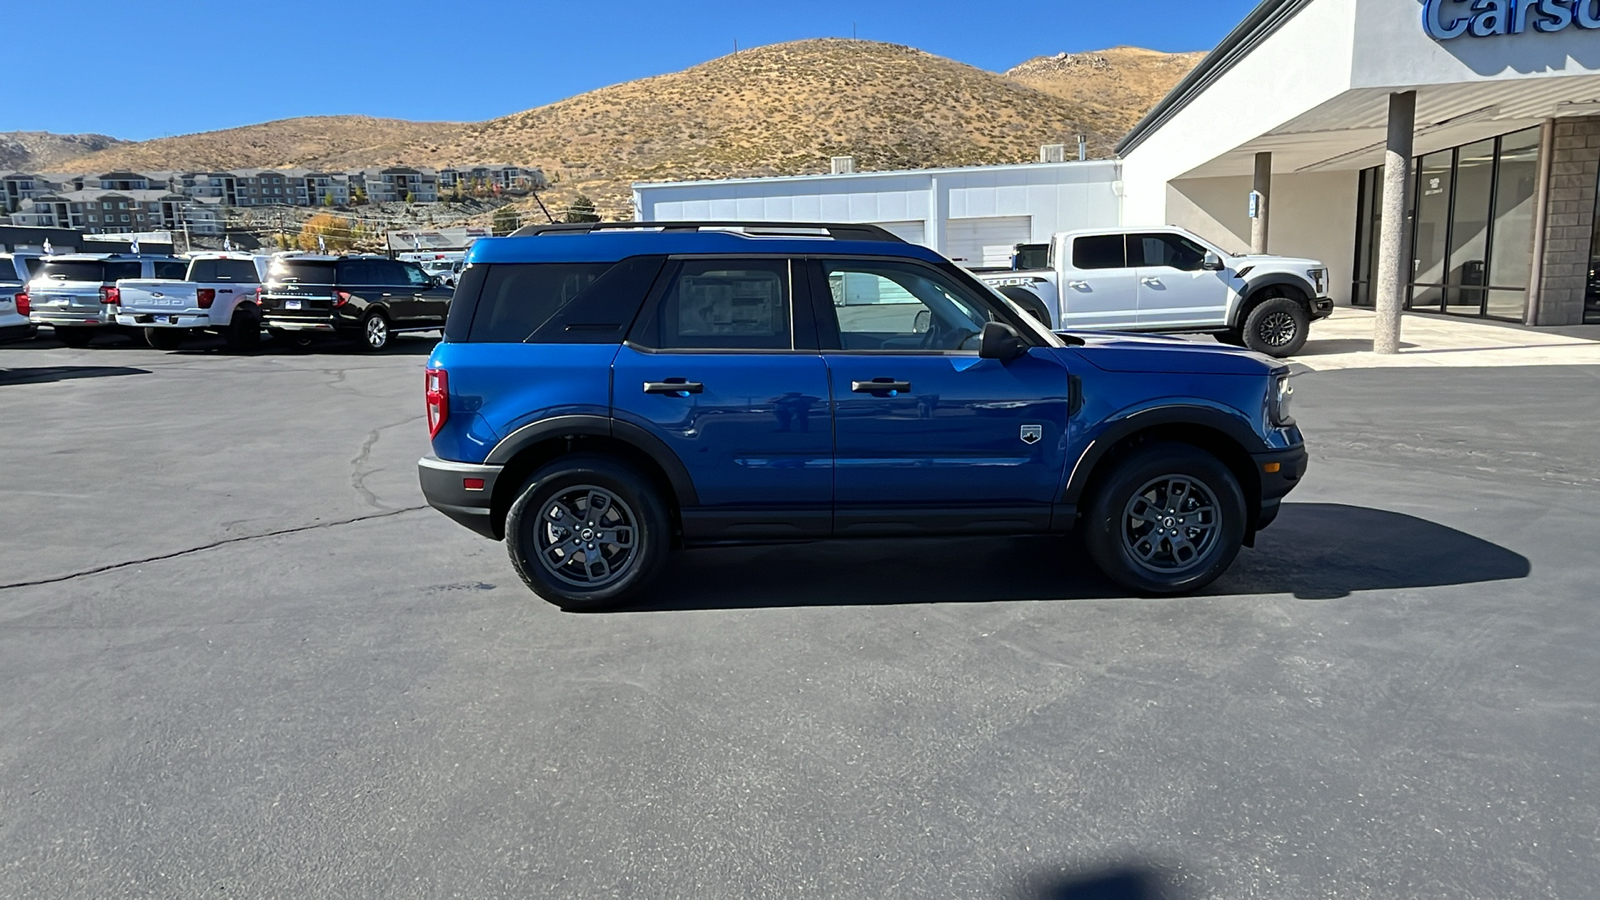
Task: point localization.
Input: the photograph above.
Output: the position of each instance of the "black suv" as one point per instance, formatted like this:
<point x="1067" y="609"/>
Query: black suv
<point x="366" y="297"/>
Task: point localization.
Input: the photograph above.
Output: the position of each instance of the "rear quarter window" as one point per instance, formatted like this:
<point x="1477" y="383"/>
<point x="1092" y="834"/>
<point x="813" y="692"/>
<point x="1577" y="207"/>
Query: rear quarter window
<point x="518" y="299"/>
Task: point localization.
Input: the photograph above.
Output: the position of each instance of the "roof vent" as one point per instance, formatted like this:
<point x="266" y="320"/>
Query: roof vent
<point x="1053" y="153"/>
<point x="844" y="165"/>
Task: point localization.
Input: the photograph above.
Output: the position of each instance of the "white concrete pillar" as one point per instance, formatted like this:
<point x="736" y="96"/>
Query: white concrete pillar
<point x="1394" y="250"/>
<point x="1263" y="190"/>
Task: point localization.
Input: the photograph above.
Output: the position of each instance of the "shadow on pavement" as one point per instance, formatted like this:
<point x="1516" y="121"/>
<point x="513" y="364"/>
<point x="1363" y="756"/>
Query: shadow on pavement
<point x="1125" y="883"/>
<point x="1315" y="551"/>
<point x="48" y="374"/>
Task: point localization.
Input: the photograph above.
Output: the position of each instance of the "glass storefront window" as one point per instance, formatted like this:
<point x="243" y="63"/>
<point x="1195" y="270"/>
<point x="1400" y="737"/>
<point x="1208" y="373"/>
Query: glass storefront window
<point x="1591" y="298"/>
<point x="1471" y="229"/>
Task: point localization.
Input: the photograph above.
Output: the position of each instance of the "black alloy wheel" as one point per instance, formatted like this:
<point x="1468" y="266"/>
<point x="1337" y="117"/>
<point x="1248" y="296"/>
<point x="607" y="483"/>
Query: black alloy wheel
<point x="1278" y="327"/>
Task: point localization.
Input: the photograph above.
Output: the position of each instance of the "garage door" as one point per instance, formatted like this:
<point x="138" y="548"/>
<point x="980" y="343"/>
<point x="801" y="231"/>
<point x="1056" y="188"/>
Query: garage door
<point x="987" y="243"/>
<point x="910" y="232"/>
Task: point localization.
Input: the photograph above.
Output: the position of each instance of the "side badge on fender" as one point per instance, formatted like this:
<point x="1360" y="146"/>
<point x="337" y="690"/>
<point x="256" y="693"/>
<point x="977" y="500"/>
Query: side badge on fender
<point x="1032" y="434"/>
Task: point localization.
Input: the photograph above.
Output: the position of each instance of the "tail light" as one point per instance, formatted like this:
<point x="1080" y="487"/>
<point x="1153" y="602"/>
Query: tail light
<point x="340" y="298"/>
<point x="110" y="295"/>
<point x="206" y="296"/>
<point x="258" y="295"/>
<point x="438" y="399"/>
<point x="24" y="304"/>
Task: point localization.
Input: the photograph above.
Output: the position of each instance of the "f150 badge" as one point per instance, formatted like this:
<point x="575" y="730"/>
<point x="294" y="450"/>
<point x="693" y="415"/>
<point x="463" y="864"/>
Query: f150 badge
<point x="1032" y="434"/>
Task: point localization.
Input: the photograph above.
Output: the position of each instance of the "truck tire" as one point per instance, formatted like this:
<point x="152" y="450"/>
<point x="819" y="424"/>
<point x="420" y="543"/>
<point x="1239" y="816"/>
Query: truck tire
<point x="1277" y="327"/>
<point x="75" y="337"/>
<point x="163" y="338"/>
<point x="588" y="532"/>
<point x="1168" y="519"/>
<point x="243" y="333"/>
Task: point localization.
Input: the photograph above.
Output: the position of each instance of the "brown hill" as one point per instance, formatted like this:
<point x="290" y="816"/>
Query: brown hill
<point x="312" y="141"/>
<point x="777" y="110"/>
<point x="38" y="151"/>
<point x="1118" y="86"/>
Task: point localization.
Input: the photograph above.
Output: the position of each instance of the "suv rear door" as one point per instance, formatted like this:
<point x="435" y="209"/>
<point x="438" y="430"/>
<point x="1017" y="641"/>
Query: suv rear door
<point x="928" y="436"/>
<point x="722" y="366"/>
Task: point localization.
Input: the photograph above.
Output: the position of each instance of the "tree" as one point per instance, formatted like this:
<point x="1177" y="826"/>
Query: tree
<point x="327" y="199"/>
<point x="506" y="220"/>
<point x="582" y="210"/>
<point x="360" y="197"/>
<point x="337" y="233"/>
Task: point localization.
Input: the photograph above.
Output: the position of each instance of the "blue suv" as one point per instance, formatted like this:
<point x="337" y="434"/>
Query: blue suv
<point x="605" y="394"/>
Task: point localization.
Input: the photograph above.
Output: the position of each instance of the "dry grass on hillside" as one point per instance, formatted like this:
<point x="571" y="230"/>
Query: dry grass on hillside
<point x="1117" y="86"/>
<point x="41" y="151"/>
<point x="777" y="110"/>
<point x="313" y="141"/>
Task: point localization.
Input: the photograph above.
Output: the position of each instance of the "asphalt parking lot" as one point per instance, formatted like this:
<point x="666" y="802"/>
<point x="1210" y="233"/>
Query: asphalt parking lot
<point x="240" y="659"/>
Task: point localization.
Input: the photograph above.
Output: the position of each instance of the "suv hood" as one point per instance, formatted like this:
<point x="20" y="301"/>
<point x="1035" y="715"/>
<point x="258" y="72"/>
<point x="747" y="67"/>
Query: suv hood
<point x="1128" y="353"/>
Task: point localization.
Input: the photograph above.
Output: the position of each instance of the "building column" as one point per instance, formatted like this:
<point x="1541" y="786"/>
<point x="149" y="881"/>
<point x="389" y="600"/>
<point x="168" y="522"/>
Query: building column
<point x="1394" y="251"/>
<point x="1263" y="189"/>
<point x="1562" y="267"/>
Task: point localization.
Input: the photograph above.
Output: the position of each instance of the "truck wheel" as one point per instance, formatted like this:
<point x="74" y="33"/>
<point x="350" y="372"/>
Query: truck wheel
<point x="375" y="331"/>
<point x="1278" y="327"/>
<point x="75" y="337"/>
<point x="588" y="532"/>
<point x="163" y="338"/>
<point x="1169" y="519"/>
<point x="244" y="331"/>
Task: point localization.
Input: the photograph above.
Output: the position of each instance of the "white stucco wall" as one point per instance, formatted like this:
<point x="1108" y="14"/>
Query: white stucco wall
<point x="1056" y="197"/>
<point x="1392" y="50"/>
<point x="1313" y="215"/>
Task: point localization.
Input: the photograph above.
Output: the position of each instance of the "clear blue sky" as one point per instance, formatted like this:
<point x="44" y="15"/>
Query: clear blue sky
<point x="181" y="66"/>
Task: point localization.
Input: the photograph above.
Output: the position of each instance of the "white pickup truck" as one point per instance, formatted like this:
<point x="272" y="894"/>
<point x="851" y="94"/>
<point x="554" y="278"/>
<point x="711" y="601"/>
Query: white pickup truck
<point x="220" y="293"/>
<point x="1170" y="280"/>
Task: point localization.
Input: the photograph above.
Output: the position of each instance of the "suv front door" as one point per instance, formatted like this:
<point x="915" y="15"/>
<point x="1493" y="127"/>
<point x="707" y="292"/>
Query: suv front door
<point x="928" y="436"/>
<point x="1175" y="288"/>
<point x="721" y="369"/>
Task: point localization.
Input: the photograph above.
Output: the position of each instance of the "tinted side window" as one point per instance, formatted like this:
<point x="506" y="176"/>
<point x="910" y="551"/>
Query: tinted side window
<point x="1099" y="252"/>
<point x="1170" y="250"/>
<point x="116" y="271"/>
<point x="360" y="272"/>
<point x="517" y="299"/>
<point x="722" y="304"/>
<point x="172" y="270"/>
<point x="416" y="277"/>
<point x="390" y="272"/>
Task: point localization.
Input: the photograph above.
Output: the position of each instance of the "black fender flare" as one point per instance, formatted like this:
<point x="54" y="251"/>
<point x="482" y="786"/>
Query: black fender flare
<point x="1177" y="414"/>
<point x="575" y="425"/>
<point x="1254" y="286"/>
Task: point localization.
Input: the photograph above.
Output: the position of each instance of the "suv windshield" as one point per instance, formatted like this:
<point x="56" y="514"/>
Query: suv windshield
<point x="302" y="271"/>
<point x="92" y="270"/>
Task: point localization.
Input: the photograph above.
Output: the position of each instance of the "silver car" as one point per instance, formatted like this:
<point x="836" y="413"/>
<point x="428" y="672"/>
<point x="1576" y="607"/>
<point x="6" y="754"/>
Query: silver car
<point x="76" y="294"/>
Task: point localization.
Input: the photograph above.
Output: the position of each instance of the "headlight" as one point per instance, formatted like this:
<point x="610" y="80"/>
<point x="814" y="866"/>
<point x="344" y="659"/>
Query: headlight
<point x="1281" y="400"/>
<point x="1319" y="280"/>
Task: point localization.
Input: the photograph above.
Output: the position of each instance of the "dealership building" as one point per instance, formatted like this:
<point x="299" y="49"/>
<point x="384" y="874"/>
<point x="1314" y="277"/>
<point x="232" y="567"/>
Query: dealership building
<point x="1278" y="139"/>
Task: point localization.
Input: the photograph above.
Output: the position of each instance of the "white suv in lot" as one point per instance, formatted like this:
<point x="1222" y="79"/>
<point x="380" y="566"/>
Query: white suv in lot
<point x="1172" y="281"/>
<point x="76" y="294"/>
<point x="16" y="270"/>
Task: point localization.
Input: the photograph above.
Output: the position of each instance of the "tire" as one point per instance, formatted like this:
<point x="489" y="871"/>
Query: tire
<point x="1130" y="538"/>
<point x="243" y="333"/>
<point x="75" y="337"/>
<point x="1277" y="327"/>
<point x="559" y="568"/>
<point x="375" y="333"/>
<point x="298" y="340"/>
<point x="163" y="338"/>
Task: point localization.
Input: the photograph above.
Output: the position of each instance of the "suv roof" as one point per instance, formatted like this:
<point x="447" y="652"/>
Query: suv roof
<point x="615" y="241"/>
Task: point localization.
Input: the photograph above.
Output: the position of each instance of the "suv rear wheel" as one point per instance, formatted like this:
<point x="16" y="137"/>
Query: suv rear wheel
<point x="1168" y="519"/>
<point x="1278" y="327"/>
<point x="243" y="331"/>
<point x="588" y="532"/>
<point x="375" y="331"/>
<point x="163" y="338"/>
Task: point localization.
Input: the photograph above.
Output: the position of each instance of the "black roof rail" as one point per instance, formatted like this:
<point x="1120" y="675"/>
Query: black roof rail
<point x="836" y="231"/>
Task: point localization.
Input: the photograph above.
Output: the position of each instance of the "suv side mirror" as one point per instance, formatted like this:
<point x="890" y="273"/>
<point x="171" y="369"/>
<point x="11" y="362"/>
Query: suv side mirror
<point x="1000" y="341"/>
<point x="923" y="323"/>
<point x="1212" y="263"/>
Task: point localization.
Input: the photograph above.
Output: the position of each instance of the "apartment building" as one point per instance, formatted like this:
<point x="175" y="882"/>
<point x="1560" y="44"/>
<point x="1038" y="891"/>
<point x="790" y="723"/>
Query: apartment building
<point x="396" y="184"/>
<point x="99" y="211"/>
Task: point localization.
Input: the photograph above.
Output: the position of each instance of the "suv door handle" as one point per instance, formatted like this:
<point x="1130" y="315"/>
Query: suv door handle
<point x="881" y="386"/>
<point x="1078" y="285"/>
<point x="1153" y="282"/>
<point x="678" y="387"/>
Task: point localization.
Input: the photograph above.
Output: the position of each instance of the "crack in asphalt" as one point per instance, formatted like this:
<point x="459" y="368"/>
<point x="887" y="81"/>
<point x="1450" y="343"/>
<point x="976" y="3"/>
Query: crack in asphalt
<point x="112" y="567"/>
<point x="358" y="477"/>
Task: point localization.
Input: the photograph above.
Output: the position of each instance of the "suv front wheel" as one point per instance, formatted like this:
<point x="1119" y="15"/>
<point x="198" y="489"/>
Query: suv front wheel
<point x="588" y="532"/>
<point x="1278" y="327"/>
<point x="1168" y="519"/>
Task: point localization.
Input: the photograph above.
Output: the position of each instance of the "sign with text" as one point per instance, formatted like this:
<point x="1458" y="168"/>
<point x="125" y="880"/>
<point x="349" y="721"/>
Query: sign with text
<point x="1445" y="20"/>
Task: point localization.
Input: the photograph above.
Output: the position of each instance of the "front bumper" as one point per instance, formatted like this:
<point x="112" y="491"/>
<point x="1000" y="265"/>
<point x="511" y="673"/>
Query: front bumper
<point x="1280" y="471"/>
<point x="444" y="486"/>
<point x="1321" y="308"/>
<point x="162" y="320"/>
